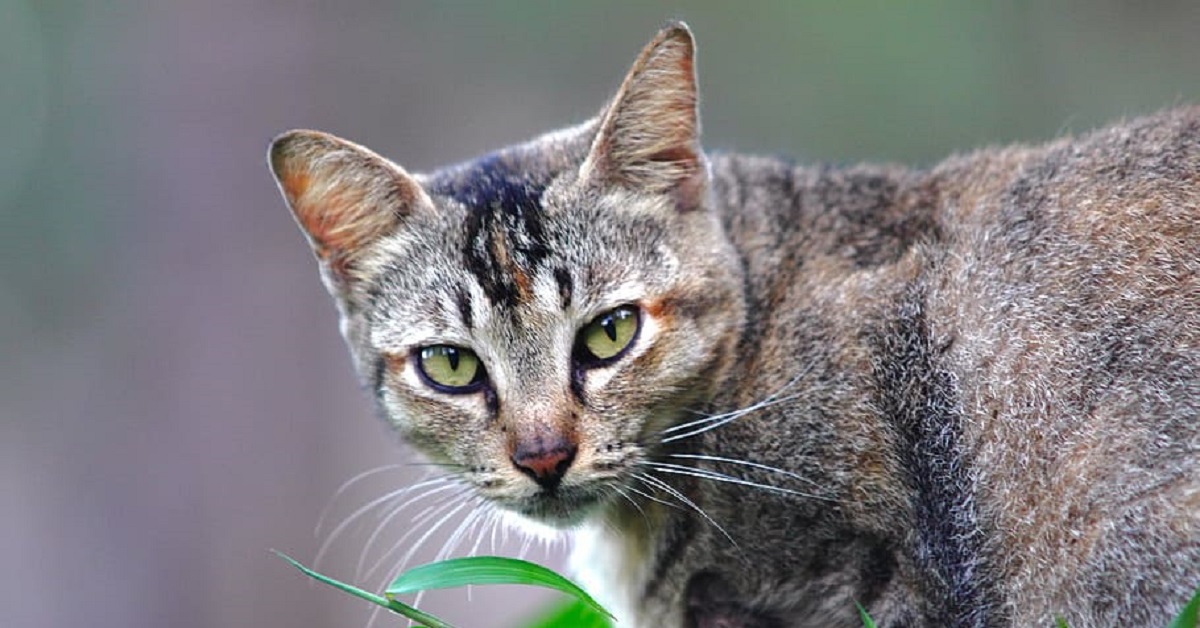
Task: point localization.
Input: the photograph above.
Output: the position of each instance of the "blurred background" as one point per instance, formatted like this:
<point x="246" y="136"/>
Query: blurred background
<point x="174" y="397"/>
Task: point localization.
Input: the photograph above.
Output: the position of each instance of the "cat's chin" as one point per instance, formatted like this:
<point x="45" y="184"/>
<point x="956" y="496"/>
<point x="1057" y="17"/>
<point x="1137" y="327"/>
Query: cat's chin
<point x="557" y="511"/>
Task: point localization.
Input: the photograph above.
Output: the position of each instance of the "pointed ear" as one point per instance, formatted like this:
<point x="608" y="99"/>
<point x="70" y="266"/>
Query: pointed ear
<point x="344" y="196"/>
<point x="649" y="137"/>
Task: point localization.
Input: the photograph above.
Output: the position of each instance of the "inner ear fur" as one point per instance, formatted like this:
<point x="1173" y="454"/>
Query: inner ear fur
<point x="344" y="196"/>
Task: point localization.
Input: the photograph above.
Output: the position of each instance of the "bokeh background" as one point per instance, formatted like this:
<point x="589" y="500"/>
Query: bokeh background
<point x="174" y="398"/>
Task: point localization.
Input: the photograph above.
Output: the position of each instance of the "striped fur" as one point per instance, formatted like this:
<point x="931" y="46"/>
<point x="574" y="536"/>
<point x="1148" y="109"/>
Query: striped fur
<point x="961" y="396"/>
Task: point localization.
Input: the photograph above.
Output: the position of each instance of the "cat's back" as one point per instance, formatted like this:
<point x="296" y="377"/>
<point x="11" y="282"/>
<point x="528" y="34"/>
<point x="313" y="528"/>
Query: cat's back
<point x="1066" y="292"/>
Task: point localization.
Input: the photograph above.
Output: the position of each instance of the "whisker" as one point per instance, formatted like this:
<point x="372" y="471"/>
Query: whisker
<point x="497" y="526"/>
<point x="768" y="400"/>
<point x="416" y="522"/>
<point x="652" y="498"/>
<point x="525" y="542"/>
<point x="717" y="420"/>
<point x="656" y="482"/>
<point x="336" y="532"/>
<point x="346" y="485"/>
<point x="366" y="550"/>
<point x="489" y="519"/>
<point x="747" y="463"/>
<point x="456" y="537"/>
<point x="430" y="463"/>
<point x="709" y="474"/>
<point x="390" y="576"/>
<point x="461" y="498"/>
<point x="722" y="419"/>
<point x="416" y="546"/>
<point x="620" y="491"/>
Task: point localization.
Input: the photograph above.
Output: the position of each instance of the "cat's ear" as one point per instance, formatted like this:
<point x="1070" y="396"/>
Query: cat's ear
<point x="649" y="136"/>
<point x="344" y="196"/>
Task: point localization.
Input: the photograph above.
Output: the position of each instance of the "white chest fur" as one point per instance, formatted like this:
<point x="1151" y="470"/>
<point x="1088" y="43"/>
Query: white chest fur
<point x="614" y="568"/>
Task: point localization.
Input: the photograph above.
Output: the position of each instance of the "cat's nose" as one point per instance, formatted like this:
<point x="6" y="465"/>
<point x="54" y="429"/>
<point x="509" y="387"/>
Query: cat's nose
<point x="544" y="460"/>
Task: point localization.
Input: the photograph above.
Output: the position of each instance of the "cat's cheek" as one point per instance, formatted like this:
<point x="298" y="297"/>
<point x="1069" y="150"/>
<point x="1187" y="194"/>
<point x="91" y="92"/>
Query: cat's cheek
<point x="433" y="422"/>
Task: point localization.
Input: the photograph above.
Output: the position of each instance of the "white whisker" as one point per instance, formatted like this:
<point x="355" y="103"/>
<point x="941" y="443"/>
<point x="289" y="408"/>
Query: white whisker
<point x="416" y="546"/>
<point x="366" y="550"/>
<point x="345" y="486"/>
<point x="709" y="474"/>
<point x="337" y="531"/>
<point x="660" y="484"/>
<point x="747" y="463"/>
<point x="444" y="509"/>
<point x="699" y="426"/>
<point x="456" y="537"/>
<point x="652" y="498"/>
<point x="489" y="520"/>
<point x="722" y="419"/>
<point x="525" y="541"/>
<point x="620" y="491"/>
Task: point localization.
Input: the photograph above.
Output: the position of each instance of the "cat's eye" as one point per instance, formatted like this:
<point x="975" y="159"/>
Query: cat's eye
<point x="450" y="369"/>
<point x="608" y="336"/>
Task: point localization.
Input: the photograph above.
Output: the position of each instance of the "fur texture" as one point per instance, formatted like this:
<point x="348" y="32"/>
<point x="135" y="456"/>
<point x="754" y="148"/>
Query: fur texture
<point x="962" y="396"/>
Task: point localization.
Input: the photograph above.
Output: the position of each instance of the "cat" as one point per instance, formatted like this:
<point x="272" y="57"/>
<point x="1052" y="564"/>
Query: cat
<point x="758" y="394"/>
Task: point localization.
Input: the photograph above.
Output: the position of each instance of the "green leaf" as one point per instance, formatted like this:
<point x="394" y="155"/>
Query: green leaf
<point x="422" y="618"/>
<point x="1190" y="614"/>
<point x="571" y="614"/>
<point x="866" y="619"/>
<point x="1059" y="622"/>
<point x="458" y="572"/>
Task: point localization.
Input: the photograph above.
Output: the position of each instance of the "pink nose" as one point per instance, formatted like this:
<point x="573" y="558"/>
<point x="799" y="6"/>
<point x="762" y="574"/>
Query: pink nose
<point x="546" y="461"/>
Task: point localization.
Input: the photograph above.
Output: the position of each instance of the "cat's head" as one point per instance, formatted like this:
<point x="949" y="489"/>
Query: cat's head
<point x="535" y="318"/>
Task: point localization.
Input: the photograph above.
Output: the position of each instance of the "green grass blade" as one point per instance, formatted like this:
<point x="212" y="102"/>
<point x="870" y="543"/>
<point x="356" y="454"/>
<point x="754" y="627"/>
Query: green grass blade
<point x="866" y="619"/>
<point x="1190" y="614"/>
<point x="570" y="614"/>
<point x="1059" y="622"/>
<point x="458" y="572"/>
<point x="422" y="618"/>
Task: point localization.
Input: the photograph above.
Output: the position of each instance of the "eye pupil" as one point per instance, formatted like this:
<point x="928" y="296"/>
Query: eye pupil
<point x="610" y="327"/>
<point x="452" y="357"/>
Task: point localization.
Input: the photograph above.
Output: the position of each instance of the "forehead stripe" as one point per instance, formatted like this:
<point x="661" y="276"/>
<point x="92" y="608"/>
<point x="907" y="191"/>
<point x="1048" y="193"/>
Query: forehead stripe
<point x="505" y="240"/>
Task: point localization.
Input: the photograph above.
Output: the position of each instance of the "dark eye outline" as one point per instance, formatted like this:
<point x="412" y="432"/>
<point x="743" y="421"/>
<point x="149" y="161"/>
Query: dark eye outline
<point x="584" y="358"/>
<point x="476" y="384"/>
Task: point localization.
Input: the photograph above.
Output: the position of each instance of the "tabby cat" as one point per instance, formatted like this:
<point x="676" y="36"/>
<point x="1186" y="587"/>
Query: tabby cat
<point x="758" y="393"/>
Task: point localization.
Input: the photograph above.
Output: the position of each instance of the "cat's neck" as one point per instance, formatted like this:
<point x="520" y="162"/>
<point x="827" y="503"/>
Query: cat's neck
<point x="778" y="213"/>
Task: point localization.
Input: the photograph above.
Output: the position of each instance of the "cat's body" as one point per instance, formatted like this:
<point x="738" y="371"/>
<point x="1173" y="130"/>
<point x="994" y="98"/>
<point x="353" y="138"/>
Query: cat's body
<point x="977" y="386"/>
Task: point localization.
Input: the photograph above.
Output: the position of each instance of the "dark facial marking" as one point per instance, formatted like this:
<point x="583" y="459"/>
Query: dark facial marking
<point x="505" y="237"/>
<point x="566" y="287"/>
<point x="463" y="302"/>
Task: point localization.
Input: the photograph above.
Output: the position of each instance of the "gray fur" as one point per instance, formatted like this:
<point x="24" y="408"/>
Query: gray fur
<point x="971" y="393"/>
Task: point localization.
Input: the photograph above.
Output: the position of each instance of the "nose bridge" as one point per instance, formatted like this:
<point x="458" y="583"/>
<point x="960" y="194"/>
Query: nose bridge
<point x="539" y="422"/>
<point x="538" y="409"/>
<point x="537" y="373"/>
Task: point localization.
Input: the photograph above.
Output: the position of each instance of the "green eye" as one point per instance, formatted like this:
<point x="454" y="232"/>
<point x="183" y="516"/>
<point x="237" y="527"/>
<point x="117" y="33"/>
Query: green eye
<point x="450" y="369"/>
<point x="608" y="336"/>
